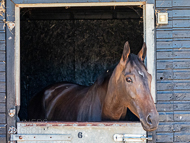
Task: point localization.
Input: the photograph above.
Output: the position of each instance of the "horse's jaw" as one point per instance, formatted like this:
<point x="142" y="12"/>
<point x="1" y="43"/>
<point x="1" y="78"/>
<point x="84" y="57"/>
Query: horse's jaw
<point x="112" y="114"/>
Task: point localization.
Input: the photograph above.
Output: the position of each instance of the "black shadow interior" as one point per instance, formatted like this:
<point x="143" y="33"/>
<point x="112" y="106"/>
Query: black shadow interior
<point x="73" y="44"/>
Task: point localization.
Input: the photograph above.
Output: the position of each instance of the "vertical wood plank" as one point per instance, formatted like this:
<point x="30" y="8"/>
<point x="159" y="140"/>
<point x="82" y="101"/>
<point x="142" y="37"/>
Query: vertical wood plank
<point x="17" y="55"/>
<point x="151" y="65"/>
<point x="10" y="16"/>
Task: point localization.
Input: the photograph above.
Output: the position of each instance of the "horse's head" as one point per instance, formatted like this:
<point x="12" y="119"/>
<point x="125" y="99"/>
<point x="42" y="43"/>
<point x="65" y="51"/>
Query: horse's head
<point x="134" y="84"/>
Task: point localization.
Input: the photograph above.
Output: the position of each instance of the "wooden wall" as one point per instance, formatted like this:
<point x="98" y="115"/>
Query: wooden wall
<point x="2" y="75"/>
<point x="173" y="72"/>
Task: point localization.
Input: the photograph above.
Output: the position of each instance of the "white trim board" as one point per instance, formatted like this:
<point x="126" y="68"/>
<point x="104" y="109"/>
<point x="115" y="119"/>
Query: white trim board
<point x="81" y="4"/>
<point x="150" y="42"/>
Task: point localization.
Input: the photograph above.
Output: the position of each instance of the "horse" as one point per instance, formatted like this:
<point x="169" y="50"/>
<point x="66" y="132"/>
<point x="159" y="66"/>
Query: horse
<point x="126" y="86"/>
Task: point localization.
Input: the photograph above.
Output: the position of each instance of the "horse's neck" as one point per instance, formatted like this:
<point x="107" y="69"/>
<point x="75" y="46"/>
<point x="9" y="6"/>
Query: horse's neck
<point x="112" y="108"/>
<point x="101" y="103"/>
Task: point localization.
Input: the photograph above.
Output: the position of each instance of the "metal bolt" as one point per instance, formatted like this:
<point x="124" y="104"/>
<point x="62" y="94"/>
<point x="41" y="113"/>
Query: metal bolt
<point x="12" y="112"/>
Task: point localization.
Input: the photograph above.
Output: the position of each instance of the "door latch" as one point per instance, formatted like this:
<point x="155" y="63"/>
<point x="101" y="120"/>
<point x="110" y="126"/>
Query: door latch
<point x="131" y="137"/>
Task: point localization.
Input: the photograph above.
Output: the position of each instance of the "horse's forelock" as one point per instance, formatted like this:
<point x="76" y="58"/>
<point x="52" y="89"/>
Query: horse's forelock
<point x="135" y="60"/>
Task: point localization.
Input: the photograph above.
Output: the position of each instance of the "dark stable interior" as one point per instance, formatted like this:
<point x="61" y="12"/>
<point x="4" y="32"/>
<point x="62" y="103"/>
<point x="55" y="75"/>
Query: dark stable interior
<point x="74" y="45"/>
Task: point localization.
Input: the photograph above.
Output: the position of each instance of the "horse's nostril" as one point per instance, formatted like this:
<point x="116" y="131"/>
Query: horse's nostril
<point x="149" y="121"/>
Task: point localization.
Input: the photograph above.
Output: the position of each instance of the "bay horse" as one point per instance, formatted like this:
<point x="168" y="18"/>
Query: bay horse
<point x="126" y="86"/>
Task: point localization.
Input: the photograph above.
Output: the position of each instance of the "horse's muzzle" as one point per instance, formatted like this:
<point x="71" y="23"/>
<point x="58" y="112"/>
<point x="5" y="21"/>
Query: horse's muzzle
<point x="150" y="123"/>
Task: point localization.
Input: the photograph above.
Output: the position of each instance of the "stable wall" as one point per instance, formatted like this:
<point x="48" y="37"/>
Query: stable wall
<point x="2" y="75"/>
<point x="173" y="74"/>
<point x="173" y="63"/>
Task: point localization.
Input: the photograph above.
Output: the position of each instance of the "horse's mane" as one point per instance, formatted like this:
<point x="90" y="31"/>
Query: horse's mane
<point x="91" y="106"/>
<point x="105" y="75"/>
<point x="133" y="59"/>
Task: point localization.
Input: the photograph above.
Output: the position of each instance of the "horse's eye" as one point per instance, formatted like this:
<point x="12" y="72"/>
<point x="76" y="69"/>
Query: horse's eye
<point x="128" y="79"/>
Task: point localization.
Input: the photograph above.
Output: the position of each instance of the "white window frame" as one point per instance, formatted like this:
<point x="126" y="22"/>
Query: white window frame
<point x="149" y="36"/>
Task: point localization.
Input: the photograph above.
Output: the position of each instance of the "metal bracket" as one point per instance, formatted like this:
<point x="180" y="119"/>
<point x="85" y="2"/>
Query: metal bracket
<point x="12" y="130"/>
<point x="10" y="25"/>
<point x="12" y="112"/>
<point x="42" y="137"/>
<point x="131" y="137"/>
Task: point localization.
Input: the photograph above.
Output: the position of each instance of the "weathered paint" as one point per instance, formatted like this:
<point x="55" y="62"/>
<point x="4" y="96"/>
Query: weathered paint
<point x="173" y="72"/>
<point x="80" y="132"/>
<point x="70" y="1"/>
<point x="172" y="65"/>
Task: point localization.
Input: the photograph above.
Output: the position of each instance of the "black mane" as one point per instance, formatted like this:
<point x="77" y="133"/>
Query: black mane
<point x="105" y="75"/>
<point x="133" y="59"/>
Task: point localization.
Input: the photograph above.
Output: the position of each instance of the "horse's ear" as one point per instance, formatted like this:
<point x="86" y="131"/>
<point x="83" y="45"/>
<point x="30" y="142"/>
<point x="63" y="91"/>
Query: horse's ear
<point x="126" y="52"/>
<point x="142" y="53"/>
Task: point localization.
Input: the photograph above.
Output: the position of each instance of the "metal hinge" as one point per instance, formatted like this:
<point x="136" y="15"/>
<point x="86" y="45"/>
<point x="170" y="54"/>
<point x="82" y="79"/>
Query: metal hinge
<point x="40" y="137"/>
<point x="12" y="130"/>
<point x="131" y="137"/>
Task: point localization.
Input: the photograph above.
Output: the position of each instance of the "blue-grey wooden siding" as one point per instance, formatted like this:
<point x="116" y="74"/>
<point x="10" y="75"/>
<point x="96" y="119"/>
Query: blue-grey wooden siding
<point x="2" y="76"/>
<point x="173" y="72"/>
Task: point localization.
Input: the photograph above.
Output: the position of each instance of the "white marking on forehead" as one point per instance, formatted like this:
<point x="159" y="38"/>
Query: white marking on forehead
<point x="141" y="73"/>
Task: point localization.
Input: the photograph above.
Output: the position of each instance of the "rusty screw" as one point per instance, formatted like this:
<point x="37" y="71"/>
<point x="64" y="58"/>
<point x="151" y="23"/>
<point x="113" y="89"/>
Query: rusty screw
<point x="12" y="112"/>
<point x="20" y="137"/>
